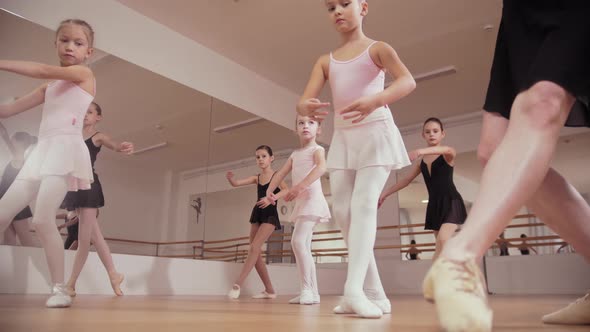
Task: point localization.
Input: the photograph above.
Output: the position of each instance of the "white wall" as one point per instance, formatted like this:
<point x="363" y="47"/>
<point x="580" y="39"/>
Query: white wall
<point x="25" y="272"/>
<point x="133" y="201"/>
<point x="543" y="274"/>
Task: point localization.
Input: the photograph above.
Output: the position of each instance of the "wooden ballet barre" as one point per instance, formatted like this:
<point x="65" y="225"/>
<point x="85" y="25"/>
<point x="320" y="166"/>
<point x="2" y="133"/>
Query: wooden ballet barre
<point x="431" y="244"/>
<point x="224" y="251"/>
<point x="205" y="245"/>
<point x="536" y="238"/>
<point x="416" y="233"/>
<point x="180" y="242"/>
<point x="180" y="256"/>
<point x="227" y="240"/>
<point x="211" y="258"/>
<point x="328" y="239"/>
<point x="240" y="244"/>
<point x="532" y="244"/>
<point x="131" y="241"/>
<point x="525" y="225"/>
<point x="421" y="250"/>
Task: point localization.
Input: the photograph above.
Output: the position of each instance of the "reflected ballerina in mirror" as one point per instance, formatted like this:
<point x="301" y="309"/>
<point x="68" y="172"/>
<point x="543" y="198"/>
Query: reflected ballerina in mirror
<point x="264" y="220"/>
<point x="86" y="204"/>
<point x="17" y="145"/>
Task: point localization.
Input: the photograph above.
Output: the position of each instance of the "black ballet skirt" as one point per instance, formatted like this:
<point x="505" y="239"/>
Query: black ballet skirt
<point x="90" y="198"/>
<point x="8" y="177"/>
<point x="445" y="204"/>
<point x="268" y="215"/>
<point x="542" y="40"/>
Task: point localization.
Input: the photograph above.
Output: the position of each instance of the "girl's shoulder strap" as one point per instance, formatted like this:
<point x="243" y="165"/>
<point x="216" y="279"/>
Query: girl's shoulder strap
<point x="372" y="43"/>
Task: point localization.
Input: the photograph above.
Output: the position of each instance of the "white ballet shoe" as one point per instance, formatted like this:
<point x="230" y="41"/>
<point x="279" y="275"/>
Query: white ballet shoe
<point x="359" y="305"/>
<point x="306" y="297"/>
<point x="383" y="304"/>
<point x="458" y="290"/>
<point x="340" y="311"/>
<point x="576" y="313"/>
<point x="234" y="293"/>
<point x="59" y="297"/>
<point x="265" y="295"/>
<point x="296" y="299"/>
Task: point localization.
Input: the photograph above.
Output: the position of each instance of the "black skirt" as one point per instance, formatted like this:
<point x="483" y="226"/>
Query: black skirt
<point x="91" y="198"/>
<point x="542" y="40"/>
<point x="444" y="210"/>
<point x="24" y="214"/>
<point x="268" y="215"/>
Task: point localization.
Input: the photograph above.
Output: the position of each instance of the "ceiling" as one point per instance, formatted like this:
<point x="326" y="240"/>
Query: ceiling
<point x="281" y="40"/>
<point x="428" y="34"/>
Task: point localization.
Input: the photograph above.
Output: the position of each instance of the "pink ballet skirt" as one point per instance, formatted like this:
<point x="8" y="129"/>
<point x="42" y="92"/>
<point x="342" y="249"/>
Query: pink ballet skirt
<point x="375" y="141"/>
<point x="310" y="205"/>
<point x="61" y="150"/>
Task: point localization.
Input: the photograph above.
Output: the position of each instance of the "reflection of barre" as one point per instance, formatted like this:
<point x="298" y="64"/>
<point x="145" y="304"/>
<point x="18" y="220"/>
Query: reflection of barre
<point x="435" y="73"/>
<point x="236" y="125"/>
<point x="150" y="148"/>
<point x="443" y="71"/>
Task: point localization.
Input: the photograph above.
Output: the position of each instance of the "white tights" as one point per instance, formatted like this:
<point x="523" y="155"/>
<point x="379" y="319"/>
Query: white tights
<point x="301" y="245"/>
<point x="50" y="193"/>
<point x="355" y="196"/>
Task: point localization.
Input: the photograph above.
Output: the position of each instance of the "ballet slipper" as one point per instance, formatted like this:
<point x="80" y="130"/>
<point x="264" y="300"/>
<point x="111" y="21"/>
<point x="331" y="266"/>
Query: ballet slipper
<point x="116" y="280"/>
<point x="459" y="293"/>
<point x="359" y="305"/>
<point x="234" y="293"/>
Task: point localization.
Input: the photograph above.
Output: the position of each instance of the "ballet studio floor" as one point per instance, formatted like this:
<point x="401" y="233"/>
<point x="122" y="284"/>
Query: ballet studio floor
<point x="216" y="313"/>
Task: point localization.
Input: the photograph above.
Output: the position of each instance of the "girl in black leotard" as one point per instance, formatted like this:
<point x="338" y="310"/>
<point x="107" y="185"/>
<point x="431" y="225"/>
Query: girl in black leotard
<point x="264" y="220"/>
<point x="17" y="145"/>
<point x="524" y="246"/>
<point x="413" y="252"/>
<point x="87" y="202"/>
<point x="445" y="210"/>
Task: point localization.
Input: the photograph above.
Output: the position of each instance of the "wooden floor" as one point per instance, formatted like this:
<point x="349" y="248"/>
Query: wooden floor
<point x="198" y="313"/>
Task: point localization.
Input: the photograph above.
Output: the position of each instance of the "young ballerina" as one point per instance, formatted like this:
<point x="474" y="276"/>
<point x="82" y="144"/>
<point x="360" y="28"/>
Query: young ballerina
<point x="445" y="210"/>
<point x="366" y="144"/>
<point x="413" y="252"/>
<point x="17" y="145"/>
<point x="540" y="80"/>
<point x="60" y="161"/>
<point x="264" y="220"/>
<point x="308" y="164"/>
<point x="87" y="202"/>
<point x="524" y="247"/>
